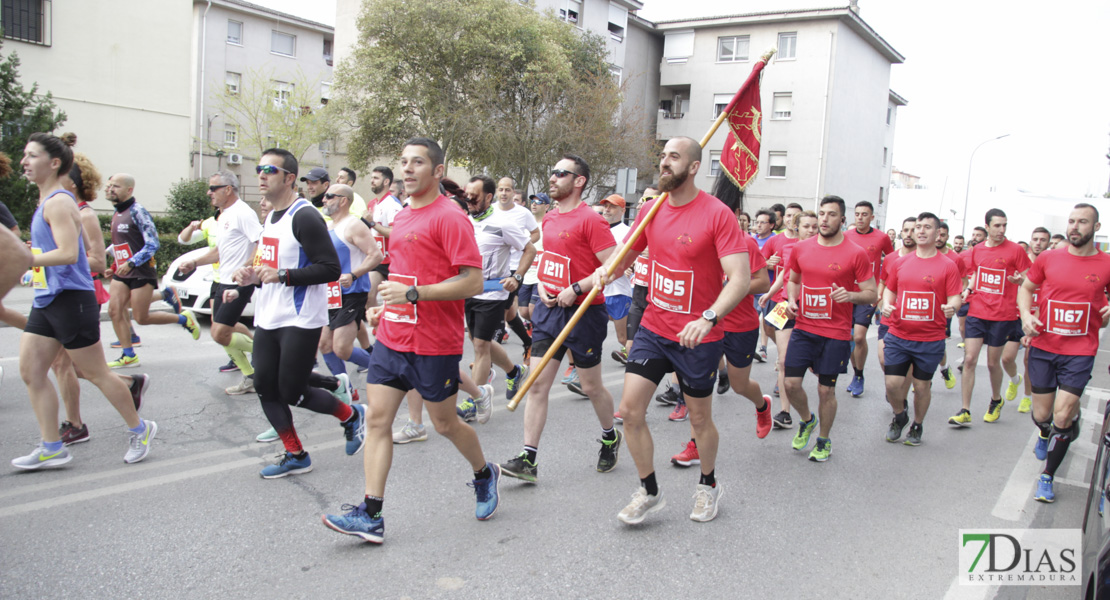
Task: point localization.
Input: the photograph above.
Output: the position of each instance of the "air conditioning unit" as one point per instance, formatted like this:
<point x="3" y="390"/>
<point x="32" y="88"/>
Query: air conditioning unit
<point x="234" y="159"/>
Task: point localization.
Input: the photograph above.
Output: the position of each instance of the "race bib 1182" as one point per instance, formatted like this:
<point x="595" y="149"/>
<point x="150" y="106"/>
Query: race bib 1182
<point x="990" y="281"/>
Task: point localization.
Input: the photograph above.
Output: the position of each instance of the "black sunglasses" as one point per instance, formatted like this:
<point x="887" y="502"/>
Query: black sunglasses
<point x="563" y="173"/>
<point x="216" y="188"/>
<point x="330" y="196"/>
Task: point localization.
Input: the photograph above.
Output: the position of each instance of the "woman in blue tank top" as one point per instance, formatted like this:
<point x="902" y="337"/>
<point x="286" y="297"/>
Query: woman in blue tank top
<point x="65" y="312"/>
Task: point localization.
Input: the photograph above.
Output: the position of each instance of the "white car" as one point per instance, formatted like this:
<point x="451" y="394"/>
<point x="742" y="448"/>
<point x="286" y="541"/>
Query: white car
<point x="195" y="288"/>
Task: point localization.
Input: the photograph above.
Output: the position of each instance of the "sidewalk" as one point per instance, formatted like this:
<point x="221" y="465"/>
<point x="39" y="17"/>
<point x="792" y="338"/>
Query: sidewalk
<point x="20" y="299"/>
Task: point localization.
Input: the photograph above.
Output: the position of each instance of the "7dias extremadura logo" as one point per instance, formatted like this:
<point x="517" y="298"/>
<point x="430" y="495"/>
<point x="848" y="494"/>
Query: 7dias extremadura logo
<point x="1020" y="557"/>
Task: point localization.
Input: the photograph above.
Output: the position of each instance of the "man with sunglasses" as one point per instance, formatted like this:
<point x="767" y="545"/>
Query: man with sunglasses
<point x="294" y="262"/>
<point x="358" y="255"/>
<point x="497" y="233"/>
<point x="238" y="230"/>
<point x="576" y="242"/>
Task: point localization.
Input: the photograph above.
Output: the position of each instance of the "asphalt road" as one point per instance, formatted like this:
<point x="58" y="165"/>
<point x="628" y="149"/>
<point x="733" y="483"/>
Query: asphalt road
<point x="195" y="520"/>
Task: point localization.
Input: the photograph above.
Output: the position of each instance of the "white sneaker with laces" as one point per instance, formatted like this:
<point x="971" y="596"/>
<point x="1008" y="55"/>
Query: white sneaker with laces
<point x="484" y="403"/>
<point x="246" y="386"/>
<point x="641" y="506"/>
<point x="706" y="500"/>
<point x="411" y="432"/>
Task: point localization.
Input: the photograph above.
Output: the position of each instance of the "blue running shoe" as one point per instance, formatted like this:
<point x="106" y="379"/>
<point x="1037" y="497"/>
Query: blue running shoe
<point x="486" y="492"/>
<point x="169" y="295"/>
<point x="1044" y="489"/>
<point x="357" y="522"/>
<point x="355" y="430"/>
<point x="289" y="465"/>
<point x="570" y="375"/>
<point x="512" y="385"/>
<point x="136" y="342"/>
<point x="1041" y="449"/>
<point x="467" y="411"/>
<point x="856" y="387"/>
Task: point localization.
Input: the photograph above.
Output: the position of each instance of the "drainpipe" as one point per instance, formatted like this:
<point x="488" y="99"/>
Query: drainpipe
<point x="201" y="137"/>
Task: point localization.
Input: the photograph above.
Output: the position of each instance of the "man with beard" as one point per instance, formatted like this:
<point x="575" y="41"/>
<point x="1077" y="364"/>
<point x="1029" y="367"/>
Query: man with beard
<point x="1071" y="308"/>
<point x="822" y="271"/>
<point x="997" y="268"/>
<point x="958" y="244"/>
<point x="695" y="243"/>
<point x="497" y="233"/>
<point x="907" y="246"/>
<point x="576" y="242"/>
<point x="134" y="242"/>
<point x="914" y="288"/>
<point x="383" y="208"/>
<point x="1040" y="241"/>
<point x="877" y="245"/>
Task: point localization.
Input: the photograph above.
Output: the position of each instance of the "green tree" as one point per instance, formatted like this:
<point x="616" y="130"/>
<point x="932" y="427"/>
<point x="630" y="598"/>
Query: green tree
<point x="22" y="112"/>
<point x="500" y="86"/>
<point x="187" y="201"/>
<point x="272" y="109"/>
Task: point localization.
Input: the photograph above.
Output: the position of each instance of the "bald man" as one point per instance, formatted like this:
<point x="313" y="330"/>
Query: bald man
<point x="134" y="243"/>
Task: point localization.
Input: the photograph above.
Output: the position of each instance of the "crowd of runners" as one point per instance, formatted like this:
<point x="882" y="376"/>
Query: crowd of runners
<point x="397" y="284"/>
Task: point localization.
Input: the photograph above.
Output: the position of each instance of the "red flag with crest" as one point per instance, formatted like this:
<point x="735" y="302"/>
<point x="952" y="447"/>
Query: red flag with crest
<point x="743" y="116"/>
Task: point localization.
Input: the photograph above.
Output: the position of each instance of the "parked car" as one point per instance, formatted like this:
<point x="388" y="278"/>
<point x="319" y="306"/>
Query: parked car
<point x="195" y="288"/>
<point x="1096" y="521"/>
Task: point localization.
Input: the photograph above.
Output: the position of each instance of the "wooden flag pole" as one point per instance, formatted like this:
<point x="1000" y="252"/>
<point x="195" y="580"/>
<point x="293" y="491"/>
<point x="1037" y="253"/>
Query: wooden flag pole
<point x="621" y="254"/>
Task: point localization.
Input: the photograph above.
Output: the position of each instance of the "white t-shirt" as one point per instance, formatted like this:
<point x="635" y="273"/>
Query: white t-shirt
<point x="623" y="285"/>
<point x="498" y="236"/>
<point x="523" y="218"/>
<point x="239" y="230"/>
<point x="385" y="210"/>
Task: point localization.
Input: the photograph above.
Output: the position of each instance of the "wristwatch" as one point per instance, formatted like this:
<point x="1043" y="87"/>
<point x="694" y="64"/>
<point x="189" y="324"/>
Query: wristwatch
<point x="283" y="276"/>
<point x="412" y="295"/>
<point x="710" y="316"/>
<point x="519" y="278"/>
<point x="577" y="288"/>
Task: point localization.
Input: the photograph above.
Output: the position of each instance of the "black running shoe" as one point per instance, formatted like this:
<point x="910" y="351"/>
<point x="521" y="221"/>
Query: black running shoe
<point x="520" y="468"/>
<point x="896" y="427"/>
<point x="607" y="456"/>
<point x="722" y="382"/>
<point x="667" y="397"/>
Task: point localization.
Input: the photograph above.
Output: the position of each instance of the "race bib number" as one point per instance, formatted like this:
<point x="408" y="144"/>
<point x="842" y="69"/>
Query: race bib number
<point x="1068" y="318"/>
<point x="817" y="303"/>
<point x="918" y="306"/>
<point x="554" y="272"/>
<point x="122" y="253"/>
<point x="672" y="290"/>
<point x="777" y="316"/>
<point x="266" y="255"/>
<point x="38" y="274"/>
<point x="335" y="295"/>
<point x="401" y="313"/>
<point x="641" y="271"/>
<point x="990" y="281"/>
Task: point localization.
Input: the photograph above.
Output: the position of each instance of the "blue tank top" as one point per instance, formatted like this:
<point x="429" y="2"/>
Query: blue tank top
<point x="361" y="284"/>
<point x="61" y="277"/>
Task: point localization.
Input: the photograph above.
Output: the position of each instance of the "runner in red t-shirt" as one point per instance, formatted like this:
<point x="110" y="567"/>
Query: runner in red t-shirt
<point x="804" y="226"/>
<point x="576" y="240"/>
<point x="978" y="236"/>
<point x="996" y="268"/>
<point x="435" y="265"/>
<point x="877" y="245"/>
<point x="943" y="249"/>
<point x="1064" y="331"/>
<point x="773" y="251"/>
<point x="1038" y="243"/>
<point x="922" y="291"/>
<point x="695" y="243"/>
<point x="908" y="246"/>
<point x="823" y="270"/>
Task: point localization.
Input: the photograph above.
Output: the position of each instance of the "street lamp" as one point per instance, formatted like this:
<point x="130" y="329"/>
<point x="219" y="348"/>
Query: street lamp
<point x="969" y="164"/>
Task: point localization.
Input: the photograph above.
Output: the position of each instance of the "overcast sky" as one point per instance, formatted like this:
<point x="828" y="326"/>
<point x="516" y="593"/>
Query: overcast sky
<point x="974" y="70"/>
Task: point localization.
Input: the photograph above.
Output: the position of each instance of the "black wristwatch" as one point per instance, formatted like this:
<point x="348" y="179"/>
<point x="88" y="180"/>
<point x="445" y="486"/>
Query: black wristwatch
<point x="283" y="276"/>
<point x="710" y="316"/>
<point x="519" y="278"/>
<point x="577" y="288"/>
<point x="412" y="295"/>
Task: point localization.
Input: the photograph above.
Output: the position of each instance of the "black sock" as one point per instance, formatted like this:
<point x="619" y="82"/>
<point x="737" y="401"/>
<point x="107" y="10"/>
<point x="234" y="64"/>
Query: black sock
<point x="901" y="418"/>
<point x="530" y="453"/>
<point x="1045" y="428"/>
<point x="485" y="473"/>
<point x="512" y="374"/>
<point x="766" y="405"/>
<point x="859" y="372"/>
<point x="374" y="506"/>
<point x="520" y="330"/>
<point x="692" y="441"/>
<point x="608" y="434"/>
<point x="709" y="479"/>
<point x="1057" y="449"/>
<point x="649" y="485"/>
<point x="303" y="453"/>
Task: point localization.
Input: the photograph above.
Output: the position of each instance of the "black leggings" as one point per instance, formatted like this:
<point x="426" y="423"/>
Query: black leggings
<point x="282" y="366"/>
